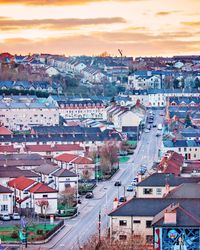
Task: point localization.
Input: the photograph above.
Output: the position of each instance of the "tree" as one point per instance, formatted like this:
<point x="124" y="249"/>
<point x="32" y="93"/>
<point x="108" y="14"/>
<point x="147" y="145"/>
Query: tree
<point x="67" y="196"/>
<point x="86" y="174"/>
<point x="188" y="121"/>
<point x="43" y="204"/>
<point x="108" y="154"/>
<point x="133" y="242"/>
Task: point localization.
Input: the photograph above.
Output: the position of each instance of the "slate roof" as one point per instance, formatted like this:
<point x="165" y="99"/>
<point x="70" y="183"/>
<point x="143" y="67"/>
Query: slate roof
<point x="13" y="172"/>
<point x="64" y="173"/>
<point x="46" y="169"/>
<point x="185" y="190"/>
<point x="181" y="143"/>
<point x="153" y="206"/>
<point x="4" y="190"/>
<point x="161" y="179"/>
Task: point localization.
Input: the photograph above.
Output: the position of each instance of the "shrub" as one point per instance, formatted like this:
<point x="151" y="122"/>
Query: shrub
<point x="14" y="235"/>
<point x="39" y="231"/>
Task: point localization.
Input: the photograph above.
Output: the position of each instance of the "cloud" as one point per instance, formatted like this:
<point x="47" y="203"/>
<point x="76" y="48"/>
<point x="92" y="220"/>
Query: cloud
<point x="55" y="24"/>
<point x="56" y="2"/>
<point x="133" y="44"/>
<point x="163" y="13"/>
<point x="193" y="24"/>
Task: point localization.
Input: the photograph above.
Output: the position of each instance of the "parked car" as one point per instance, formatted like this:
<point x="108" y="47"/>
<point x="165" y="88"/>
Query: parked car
<point x="146" y="130"/>
<point x="158" y="134"/>
<point x="122" y="199"/>
<point x="130" y="151"/>
<point x="154" y="125"/>
<point x="16" y="216"/>
<point x="123" y="153"/>
<point x="118" y="183"/>
<point x="89" y="195"/>
<point x="129" y="188"/>
<point x="5" y="217"/>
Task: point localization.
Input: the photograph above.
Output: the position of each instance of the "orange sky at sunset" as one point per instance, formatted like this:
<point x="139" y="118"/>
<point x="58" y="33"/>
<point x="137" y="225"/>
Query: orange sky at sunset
<point x="76" y="27"/>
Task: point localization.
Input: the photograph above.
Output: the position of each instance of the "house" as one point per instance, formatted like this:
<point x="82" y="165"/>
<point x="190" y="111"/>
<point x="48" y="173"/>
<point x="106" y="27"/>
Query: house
<point x="6" y="200"/>
<point x="78" y="164"/>
<point x="10" y="173"/>
<point x="56" y="177"/>
<point x="171" y="163"/>
<point x="159" y="184"/>
<point x="53" y="149"/>
<point x="82" y="109"/>
<point x="166" y="213"/>
<point x="17" y="115"/>
<point x="51" y="71"/>
<point x="34" y="195"/>
<point x="190" y="149"/>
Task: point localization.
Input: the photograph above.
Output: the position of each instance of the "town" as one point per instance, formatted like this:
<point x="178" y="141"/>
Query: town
<point x="99" y="150"/>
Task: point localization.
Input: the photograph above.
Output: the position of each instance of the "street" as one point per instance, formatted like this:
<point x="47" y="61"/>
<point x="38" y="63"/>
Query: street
<point x="86" y="224"/>
<point x="79" y="229"/>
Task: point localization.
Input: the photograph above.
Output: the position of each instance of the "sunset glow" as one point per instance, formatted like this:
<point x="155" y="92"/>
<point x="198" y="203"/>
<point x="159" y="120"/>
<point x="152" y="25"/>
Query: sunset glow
<point x="72" y="27"/>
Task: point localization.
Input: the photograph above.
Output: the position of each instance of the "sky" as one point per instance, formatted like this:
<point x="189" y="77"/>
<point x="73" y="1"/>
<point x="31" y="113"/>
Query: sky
<point x="90" y="27"/>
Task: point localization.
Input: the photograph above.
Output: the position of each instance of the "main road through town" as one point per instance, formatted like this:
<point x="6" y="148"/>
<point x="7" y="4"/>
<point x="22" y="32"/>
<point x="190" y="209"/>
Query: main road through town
<point x="78" y="230"/>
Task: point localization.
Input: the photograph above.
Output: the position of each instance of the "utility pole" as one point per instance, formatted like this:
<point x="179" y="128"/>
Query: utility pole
<point x="121" y="54"/>
<point x="99" y="228"/>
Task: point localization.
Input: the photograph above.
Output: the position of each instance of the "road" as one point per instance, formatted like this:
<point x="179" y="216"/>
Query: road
<point x="86" y="224"/>
<point x="78" y="230"/>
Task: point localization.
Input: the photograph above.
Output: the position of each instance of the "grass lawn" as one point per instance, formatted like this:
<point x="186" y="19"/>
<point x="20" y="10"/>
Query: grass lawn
<point x="123" y="159"/>
<point x="6" y="231"/>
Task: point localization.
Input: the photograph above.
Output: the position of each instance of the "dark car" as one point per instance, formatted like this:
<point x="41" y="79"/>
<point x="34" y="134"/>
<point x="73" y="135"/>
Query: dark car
<point x="89" y="195"/>
<point x="118" y="183"/>
<point x="122" y="199"/>
<point x="154" y="125"/>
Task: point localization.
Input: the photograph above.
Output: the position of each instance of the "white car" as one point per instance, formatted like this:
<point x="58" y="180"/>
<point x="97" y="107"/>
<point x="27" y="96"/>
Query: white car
<point x="146" y="130"/>
<point x="5" y="217"/>
<point x="16" y="216"/>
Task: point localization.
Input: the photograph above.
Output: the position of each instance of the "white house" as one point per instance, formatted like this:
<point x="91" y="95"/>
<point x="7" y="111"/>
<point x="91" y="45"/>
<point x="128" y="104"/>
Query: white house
<point x="6" y="200"/>
<point x="51" y="71"/>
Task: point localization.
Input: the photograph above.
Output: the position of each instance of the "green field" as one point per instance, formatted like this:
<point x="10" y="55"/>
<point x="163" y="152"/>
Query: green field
<point x="6" y="231"/>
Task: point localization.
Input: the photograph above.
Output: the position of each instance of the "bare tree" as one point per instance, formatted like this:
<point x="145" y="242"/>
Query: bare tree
<point x="43" y="204"/>
<point x="67" y="196"/>
<point x="108" y="155"/>
<point x="86" y="173"/>
<point x="133" y="242"/>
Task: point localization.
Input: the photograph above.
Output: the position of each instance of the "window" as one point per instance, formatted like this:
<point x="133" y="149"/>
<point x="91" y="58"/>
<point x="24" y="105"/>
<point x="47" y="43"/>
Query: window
<point x="45" y="195"/>
<point x="158" y="191"/>
<point x="4" y="208"/>
<point x="195" y="149"/>
<point x="136" y="221"/>
<point x="148" y="224"/>
<point x="147" y="190"/>
<point x="122" y="237"/>
<point x="179" y="149"/>
<point x="122" y="222"/>
<point x="185" y="149"/>
<point x="5" y="197"/>
<point x="195" y="156"/>
<point x="149" y="239"/>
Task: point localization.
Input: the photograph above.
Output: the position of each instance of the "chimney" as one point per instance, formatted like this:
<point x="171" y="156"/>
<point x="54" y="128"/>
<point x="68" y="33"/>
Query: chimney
<point x="139" y="177"/>
<point x="170" y="216"/>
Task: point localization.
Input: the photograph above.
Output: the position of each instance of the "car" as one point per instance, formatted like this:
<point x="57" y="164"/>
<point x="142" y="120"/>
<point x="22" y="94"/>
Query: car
<point x="122" y="199"/>
<point x="89" y="195"/>
<point x="134" y="183"/>
<point x="154" y="125"/>
<point x="146" y="130"/>
<point x="123" y="153"/>
<point x="5" y="217"/>
<point x="129" y="188"/>
<point x="158" y="134"/>
<point x="130" y="151"/>
<point x="16" y="216"/>
<point x="118" y="183"/>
